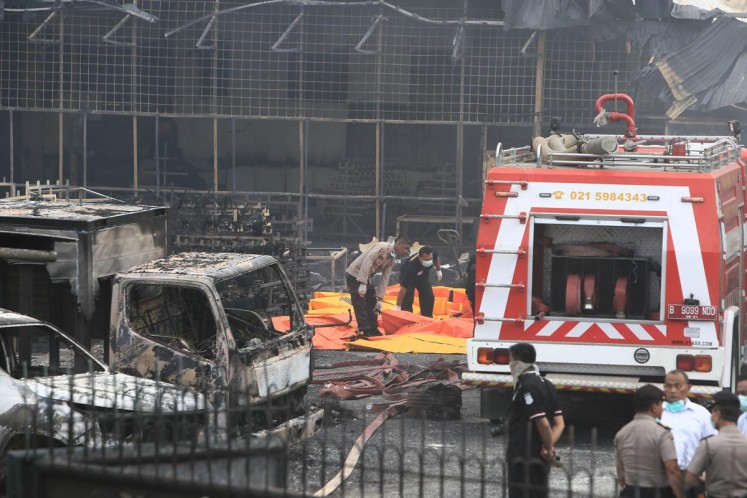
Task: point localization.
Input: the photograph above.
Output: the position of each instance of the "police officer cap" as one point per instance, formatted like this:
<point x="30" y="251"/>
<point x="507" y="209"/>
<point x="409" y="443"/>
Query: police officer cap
<point x="725" y="399"/>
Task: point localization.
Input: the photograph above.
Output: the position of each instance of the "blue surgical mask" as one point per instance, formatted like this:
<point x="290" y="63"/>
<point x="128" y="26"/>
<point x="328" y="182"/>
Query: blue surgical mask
<point x="427" y="264"/>
<point x="674" y="407"/>
<point x="743" y="402"/>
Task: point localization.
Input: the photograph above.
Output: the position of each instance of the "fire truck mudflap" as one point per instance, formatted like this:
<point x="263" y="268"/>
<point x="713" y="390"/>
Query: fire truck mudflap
<point x="618" y="265"/>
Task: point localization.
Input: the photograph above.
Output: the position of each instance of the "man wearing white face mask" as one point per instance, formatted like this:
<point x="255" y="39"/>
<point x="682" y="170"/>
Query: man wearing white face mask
<point x="690" y="422"/>
<point x="415" y="274"/>
<point x="535" y="425"/>
<point x="723" y="457"/>
<point x="742" y="393"/>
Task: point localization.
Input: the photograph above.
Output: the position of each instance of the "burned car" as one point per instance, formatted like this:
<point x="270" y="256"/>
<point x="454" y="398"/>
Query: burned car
<point x="53" y="392"/>
<point x="205" y="320"/>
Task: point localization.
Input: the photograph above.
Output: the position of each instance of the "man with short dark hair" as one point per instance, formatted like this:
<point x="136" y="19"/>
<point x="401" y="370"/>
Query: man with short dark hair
<point x="723" y="457"/>
<point x="535" y="425"/>
<point x="366" y="299"/>
<point x="690" y="422"/>
<point x="415" y="275"/>
<point x="644" y="451"/>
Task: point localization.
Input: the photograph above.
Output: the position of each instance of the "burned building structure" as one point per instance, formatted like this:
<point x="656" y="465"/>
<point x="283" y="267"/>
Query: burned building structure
<point x="342" y="115"/>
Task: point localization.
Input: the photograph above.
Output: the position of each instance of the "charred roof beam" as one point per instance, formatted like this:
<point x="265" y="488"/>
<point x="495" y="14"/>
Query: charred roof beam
<point x="129" y="8"/>
<point x="457" y="52"/>
<point x="107" y="38"/>
<point x="359" y="48"/>
<point x="34" y="34"/>
<point x="76" y="4"/>
<point x="276" y="46"/>
<point x="322" y="3"/>
<point x="201" y="40"/>
<point x="130" y="11"/>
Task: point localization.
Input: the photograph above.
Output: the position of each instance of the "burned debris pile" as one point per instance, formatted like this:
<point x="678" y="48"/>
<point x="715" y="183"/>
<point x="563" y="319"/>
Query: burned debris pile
<point x="230" y="222"/>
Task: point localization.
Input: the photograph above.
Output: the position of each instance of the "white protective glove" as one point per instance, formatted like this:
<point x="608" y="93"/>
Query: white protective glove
<point x="362" y="290"/>
<point x="397" y="308"/>
<point x="379" y="304"/>
<point x="439" y="275"/>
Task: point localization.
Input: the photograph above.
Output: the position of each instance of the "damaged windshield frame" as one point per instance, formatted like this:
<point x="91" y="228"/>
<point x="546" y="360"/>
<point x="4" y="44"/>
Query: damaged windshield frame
<point x="255" y="296"/>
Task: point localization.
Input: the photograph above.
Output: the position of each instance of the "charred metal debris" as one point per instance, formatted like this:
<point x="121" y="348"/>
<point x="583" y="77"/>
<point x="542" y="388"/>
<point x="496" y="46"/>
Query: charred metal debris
<point x="222" y="222"/>
<point x="433" y="390"/>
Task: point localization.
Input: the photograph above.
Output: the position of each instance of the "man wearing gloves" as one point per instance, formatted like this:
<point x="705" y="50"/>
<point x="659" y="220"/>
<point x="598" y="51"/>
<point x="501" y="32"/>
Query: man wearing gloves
<point x="414" y="274"/>
<point x="365" y="298"/>
<point x="690" y="422"/>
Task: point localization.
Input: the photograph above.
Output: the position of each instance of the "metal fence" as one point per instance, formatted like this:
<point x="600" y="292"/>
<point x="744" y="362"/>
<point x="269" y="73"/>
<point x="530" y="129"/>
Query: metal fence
<point x="440" y="464"/>
<point x="364" y="60"/>
<point x="449" y="82"/>
<point x="151" y="439"/>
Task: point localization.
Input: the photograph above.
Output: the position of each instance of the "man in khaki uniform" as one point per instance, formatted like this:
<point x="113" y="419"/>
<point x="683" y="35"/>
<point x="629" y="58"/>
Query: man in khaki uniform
<point x="644" y="451"/>
<point x="365" y="298"/>
<point x="723" y="457"/>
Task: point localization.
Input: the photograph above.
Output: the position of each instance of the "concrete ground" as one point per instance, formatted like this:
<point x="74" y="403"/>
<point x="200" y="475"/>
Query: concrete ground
<point x="411" y="456"/>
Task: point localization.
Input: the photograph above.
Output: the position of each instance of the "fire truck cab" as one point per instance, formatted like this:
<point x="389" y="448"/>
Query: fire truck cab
<point x="619" y="259"/>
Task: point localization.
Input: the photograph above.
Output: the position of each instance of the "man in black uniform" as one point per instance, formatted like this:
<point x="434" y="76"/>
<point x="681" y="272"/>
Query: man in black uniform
<point x="414" y="274"/>
<point x="535" y="425"/>
<point x="469" y="280"/>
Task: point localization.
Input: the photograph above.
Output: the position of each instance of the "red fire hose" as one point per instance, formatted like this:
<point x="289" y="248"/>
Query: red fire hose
<point x="590" y="295"/>
<point x="620" y="297"/>
<point x="573" y="294"/>
<point x="385" y="376"/>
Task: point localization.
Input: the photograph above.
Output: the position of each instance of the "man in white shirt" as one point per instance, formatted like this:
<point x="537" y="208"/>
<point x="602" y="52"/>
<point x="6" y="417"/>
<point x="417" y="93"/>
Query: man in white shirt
<point x="742" y="393"/>
<point x="690" y="422"/>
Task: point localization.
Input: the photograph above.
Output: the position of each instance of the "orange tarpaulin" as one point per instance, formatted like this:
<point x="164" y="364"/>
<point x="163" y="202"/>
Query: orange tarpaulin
<point x="324" y="338"/>
<point x="452" y="319"/>
<point x="414" y="343"/>
<point x="452" y="327"/>
<point x="326" y="302"/>
<point x="392" y="321"/>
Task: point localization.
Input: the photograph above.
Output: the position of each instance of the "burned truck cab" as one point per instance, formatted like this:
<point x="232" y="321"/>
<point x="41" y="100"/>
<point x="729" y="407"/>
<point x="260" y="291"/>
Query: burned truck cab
<point x="228" y="324"/>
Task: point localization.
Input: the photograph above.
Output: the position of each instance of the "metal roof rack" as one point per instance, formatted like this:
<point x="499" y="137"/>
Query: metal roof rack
<point x="704" y="154"/>
<point x="61" y="192"/>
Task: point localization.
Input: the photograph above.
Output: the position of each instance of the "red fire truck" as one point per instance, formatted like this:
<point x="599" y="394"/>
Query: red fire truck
<point x="618" y="258"/>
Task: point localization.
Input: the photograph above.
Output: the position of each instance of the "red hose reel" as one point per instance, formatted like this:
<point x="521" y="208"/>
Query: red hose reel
<point x="578" y="297"/>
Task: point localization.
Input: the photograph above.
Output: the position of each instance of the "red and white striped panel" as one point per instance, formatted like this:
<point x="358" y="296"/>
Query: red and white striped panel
<point x="585" y="331"/>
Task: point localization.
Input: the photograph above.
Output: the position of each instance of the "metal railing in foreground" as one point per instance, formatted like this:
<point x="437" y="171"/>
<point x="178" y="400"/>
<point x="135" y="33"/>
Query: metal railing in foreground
<point x="161" y="441"/>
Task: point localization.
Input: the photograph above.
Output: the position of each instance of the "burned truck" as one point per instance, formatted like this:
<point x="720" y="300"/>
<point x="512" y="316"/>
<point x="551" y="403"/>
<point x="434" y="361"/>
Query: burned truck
<point x="228" y="324"/>
<point x="100" y="271"/>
